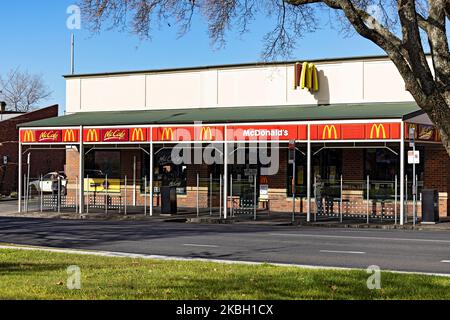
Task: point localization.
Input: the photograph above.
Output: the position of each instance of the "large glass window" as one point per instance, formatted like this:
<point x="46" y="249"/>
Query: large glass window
<point x="381" y="164"/>
<point x="165" y="171"/>
<point x="300" y="175"/>
<point x="101" y="163"/>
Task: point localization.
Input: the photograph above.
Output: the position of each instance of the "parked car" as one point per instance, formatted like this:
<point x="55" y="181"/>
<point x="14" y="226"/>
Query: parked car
<point x="45" y="185"/>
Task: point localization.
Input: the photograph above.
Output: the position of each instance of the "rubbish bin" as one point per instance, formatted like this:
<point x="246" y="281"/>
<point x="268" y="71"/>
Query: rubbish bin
<point x="169" y="200"/>
<point x="430" y="206"/>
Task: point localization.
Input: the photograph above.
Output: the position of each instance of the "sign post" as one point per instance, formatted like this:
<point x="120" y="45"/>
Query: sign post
<point x="413" y="157"/>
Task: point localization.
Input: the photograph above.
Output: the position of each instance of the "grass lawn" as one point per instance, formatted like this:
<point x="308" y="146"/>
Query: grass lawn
<point x="42" y="275"/>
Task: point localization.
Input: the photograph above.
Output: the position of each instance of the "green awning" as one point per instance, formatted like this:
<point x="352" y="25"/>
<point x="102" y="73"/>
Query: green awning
<point x="232" y="115"/>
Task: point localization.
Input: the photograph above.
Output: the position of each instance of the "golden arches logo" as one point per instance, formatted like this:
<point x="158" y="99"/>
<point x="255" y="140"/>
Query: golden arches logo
<point x="329" y="132"/>
<point x="137" y="135"/>
<point x="206" y="134"/>
<point x="28" y="136"/>
<point x="69" y="136"/>
<point x="378" y="129"/>
<point x="92" y="135"/>
<point x="167" y="134"/>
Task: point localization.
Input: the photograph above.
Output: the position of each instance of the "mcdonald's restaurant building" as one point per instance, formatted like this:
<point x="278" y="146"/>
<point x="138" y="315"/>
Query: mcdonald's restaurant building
<point x="346" y="120"/>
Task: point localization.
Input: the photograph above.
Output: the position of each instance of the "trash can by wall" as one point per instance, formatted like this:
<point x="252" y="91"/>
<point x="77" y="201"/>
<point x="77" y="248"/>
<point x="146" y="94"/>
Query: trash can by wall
<point x="430" y="206"/>
<point x="168" y="200"/>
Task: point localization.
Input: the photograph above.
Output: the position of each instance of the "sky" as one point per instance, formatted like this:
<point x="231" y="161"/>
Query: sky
<point x="34" y="36"/>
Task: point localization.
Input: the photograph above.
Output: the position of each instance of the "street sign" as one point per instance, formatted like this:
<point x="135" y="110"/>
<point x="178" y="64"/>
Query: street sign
<point x="5" y="160"/>
<point x="413" y="157"/>
<point x="412" y="136"/>
<point x="291" y="151"/>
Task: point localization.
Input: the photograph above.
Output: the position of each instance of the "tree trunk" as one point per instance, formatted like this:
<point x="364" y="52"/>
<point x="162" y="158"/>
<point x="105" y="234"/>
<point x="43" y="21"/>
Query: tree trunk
<point x="439" y="112"/>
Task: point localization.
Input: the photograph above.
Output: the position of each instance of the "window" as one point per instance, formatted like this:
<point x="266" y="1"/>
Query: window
<point x="381" y="164"/>
<point x="164" y="171"/>
<point x="300" y="175"/>
<point x="103" y="163"/>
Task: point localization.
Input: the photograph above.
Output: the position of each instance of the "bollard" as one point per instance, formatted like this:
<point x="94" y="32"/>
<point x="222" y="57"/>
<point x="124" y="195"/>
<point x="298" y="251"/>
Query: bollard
<point x="254" y="199"/>
<point x="76" y="194"/>
<point x="145" y="196"/>
<point x="395" y="200"/>
<point x="59" y="194"/>
<point x="220" y="197"/>
<point x="87" y="194"/>
<point x="41" y="192"/>
<point x="198" y="186"/>
<point x="210" y="193"/>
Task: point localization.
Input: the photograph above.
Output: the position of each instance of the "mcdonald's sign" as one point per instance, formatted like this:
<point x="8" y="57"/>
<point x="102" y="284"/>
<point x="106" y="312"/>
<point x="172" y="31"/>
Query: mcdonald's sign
<point x="28" y="136"/>
<point x="167" y="134"/>
<point x="329" y="132"/>
<point x="206" y="134"/>
<point x="138" y="134"/>
<point x="70" y="135"/>
<point x="378" y="131"/>
<point x="91" y="135"/>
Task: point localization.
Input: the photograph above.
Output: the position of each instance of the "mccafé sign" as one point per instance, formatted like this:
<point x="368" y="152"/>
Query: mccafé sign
<point x="115" y="135"/>
<point x="363" y="131"/>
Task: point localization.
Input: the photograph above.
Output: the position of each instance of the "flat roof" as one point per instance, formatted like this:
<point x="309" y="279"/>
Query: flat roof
<point x="236" y="65"/>
<point x="233" y="115"/>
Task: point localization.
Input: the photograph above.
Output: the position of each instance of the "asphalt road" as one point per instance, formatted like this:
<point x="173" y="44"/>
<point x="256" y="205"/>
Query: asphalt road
<point x="421" y="251"/>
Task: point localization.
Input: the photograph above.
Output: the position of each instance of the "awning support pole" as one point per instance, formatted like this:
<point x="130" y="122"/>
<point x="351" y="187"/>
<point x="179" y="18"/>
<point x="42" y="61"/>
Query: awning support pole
<point x="151" y="175"/>
<point x="308" y="175"/>
<point x="225" y="177"/>
<point x="402" y="173"/>
<point x="20" y="179"/>
<point x="81" y="174"/>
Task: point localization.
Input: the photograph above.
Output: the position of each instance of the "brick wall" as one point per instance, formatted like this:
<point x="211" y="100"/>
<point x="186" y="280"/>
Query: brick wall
<point x="353" y="164"/>
<point x="41" y="161"/>
<point x="437" y="175"/>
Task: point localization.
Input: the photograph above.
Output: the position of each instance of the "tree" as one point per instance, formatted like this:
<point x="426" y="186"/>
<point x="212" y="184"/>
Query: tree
<point x="402" y="28"/>
<point x="23" y="91"/>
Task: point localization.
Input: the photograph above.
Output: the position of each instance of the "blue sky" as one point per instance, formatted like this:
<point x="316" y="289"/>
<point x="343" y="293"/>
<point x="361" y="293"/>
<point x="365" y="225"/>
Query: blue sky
<point x="34" y="36"/>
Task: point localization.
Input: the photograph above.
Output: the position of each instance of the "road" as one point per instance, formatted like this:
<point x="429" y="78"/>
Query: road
<point x="402" y="250"/>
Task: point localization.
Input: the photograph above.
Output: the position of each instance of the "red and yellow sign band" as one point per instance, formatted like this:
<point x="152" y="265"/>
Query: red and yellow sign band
<point x="363" y="131"/>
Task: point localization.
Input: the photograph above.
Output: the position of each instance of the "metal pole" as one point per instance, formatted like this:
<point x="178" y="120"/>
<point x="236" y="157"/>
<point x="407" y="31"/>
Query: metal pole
<point x="225" y="177"/>
<point x="198" y="186"/>
<point x="25" y="193"/>
<point x="145" y="196"/>
<point x="19" y="187"/>
<point x="415" y="198"/>
<point x="220" y="197"/>
<point x="395" y="200"/>
<point x="134" y="181"/>
<point x="308" y="178"/>
<point x="72" y="54"/>
<point x="81" y="173"/>
<point x="368" y="198"/>
<point x="151" y="178"/>
<point x="58" y="201"/>
<point x="126" y="196"/>
<point x="76" y="194"/>
<point x="406" y="199"/>
<point x="106" y="195"/>
<point x="402" y="173"/>
<point x="28" y="178"/>
<point x="340" y="204"/>
<point x="210" y="193"/>
<point x="41" y="192"/>
<point x="293" y="192"/>
<point x="87" y="193"/>
<point x="231" y="197"/>
<point x="254" y="199"/>
<point x="315" y="199"/>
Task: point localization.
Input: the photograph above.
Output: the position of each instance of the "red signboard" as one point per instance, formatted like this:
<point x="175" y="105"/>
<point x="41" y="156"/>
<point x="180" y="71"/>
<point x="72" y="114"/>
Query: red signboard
<point x="71" y="135"/>
<point x="139" y="134"/>
<point x="174" y="134"/>
<point x="356" y="131"/>
<point x="267" y="133"/>
<point x="423" y="132"/>
<point x="115" y="135"/>
<point x="91" y="135"/>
